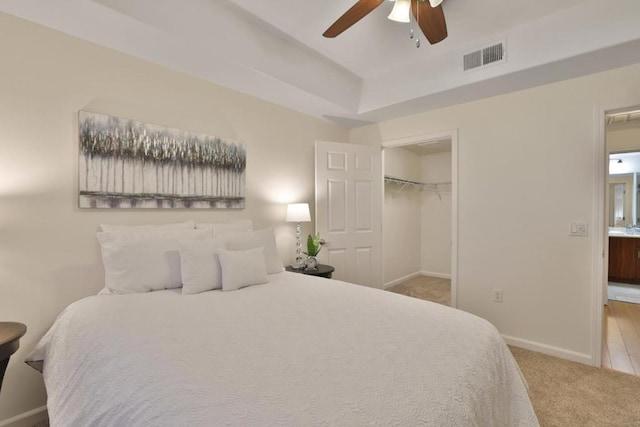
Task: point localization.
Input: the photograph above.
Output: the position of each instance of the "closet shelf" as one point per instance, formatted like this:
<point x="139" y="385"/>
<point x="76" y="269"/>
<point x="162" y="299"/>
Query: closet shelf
<point x="437" y="187"/>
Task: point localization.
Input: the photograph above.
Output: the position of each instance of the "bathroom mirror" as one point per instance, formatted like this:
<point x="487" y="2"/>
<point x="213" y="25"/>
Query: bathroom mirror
<point x="624" y="194"/>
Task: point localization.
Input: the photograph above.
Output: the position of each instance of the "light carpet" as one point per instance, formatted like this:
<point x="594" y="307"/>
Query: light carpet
<point x="567" y="394"/>
<point x="425" y="287"/>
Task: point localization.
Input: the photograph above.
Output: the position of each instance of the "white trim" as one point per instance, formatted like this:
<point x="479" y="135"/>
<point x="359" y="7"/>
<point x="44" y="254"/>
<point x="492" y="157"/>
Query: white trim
<point x="435" y="136"/>
<point x="26" y="419"/>
<point x="598" y="247"/>
<point x="548" y="350"/>
<point x="400" y="280"/>
<point x="434" y="274"/>
<point x="416" y="274"/>
<point x="454" y="218"/>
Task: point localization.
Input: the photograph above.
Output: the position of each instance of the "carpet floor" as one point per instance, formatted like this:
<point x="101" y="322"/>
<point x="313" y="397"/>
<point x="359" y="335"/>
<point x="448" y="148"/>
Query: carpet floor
<point x="424" y="287"/>
<point x="563" y="393"/>
<point x="566" y="394"/>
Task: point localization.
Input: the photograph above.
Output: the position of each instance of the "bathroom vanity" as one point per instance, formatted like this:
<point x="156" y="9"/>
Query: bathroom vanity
<point x="624" y="256"/>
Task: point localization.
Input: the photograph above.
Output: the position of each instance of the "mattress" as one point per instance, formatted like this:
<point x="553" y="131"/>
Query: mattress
<point x="298" y="351"/>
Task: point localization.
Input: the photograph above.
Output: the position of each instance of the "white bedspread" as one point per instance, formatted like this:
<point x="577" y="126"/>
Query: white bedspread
<point x="299" y="351"/>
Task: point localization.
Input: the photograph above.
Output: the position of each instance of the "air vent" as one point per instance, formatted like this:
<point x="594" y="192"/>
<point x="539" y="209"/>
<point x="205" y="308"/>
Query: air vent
<point x="473" y="60"/>
<point x="492" y="54"/>
<point x="482" y="57"/>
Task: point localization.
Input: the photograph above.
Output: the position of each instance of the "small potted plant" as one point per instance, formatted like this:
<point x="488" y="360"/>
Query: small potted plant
<point x="314" y="245"/>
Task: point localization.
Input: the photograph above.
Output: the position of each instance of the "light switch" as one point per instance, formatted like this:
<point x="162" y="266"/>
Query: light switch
<point x="579" y="228"/>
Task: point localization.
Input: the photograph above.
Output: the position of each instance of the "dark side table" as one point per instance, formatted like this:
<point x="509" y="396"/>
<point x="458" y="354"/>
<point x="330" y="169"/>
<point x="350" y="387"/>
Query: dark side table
<point x="322" y="270"/>
<point x="10" y="334"/>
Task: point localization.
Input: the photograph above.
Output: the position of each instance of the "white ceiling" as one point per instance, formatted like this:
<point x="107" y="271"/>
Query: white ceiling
<point x="274" y="49"/>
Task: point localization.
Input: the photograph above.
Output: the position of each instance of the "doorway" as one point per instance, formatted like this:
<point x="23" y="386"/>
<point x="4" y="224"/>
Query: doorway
<point x="420" y="216"/>
<point x="620" y="348"/>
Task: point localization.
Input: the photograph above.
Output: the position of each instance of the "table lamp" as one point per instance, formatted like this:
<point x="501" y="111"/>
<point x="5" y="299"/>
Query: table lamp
<point x="298" y="212"/>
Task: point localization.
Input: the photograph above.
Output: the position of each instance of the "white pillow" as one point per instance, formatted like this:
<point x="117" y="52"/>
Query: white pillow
<point x="144" y="261"/>
<point x="148" y="227"/>
<point x="151" y="234"/>
<point x="242" y="268"/>
<point x="225" y="227"/>
<point x="199" y="265"/>
<point x="257" y="239"/>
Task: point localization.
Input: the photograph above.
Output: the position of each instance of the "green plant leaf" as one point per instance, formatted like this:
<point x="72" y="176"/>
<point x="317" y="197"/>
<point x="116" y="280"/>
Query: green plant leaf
<point x="313" y="245"/>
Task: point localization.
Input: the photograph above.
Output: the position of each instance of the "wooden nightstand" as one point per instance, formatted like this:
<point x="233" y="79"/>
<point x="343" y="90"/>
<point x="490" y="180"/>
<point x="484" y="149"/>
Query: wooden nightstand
<point x="10" y="334"/>
<point x="322" y="271"/>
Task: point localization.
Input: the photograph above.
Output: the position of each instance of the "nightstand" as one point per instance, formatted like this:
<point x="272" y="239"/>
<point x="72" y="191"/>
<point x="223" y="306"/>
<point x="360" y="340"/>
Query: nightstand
<point x="323" y="270"/>
<point x="10" y="334"/>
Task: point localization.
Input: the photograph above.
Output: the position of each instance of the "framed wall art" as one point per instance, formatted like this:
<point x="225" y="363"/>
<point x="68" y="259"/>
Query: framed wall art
<point x="130" y="164"/>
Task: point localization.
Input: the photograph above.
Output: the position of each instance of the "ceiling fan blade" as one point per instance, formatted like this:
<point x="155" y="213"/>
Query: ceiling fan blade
<point x="351" y="16"/>
<point x="430" y="19"/>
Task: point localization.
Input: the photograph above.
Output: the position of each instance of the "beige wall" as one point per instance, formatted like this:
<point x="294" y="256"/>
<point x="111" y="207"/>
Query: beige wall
<point x="623" y="136"/>
<point x="526" y="170"/>
<point x="401" y="221"/>
<point x="436" y="216"/>
<point x="402" y="163"/>
<point x="417" y="224"/>
<point x="48" y="252"/>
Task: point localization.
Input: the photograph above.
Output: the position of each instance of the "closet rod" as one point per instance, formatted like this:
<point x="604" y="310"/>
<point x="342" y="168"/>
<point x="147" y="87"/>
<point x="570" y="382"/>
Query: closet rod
<point x="437" y="187"/>
<point x="393" y="179"/>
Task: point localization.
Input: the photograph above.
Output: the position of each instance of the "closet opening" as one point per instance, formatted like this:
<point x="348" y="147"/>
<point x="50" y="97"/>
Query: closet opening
<point x="419" y="221"/>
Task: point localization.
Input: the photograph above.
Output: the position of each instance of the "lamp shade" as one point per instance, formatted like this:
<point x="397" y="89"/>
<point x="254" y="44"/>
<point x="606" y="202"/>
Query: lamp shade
<point x="298" y="212"/>
<point x="400" y="11"/>
<point x="435" y="3"/>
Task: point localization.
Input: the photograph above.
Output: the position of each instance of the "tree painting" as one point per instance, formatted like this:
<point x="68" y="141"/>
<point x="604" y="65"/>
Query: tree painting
<point x="128" y="164"/>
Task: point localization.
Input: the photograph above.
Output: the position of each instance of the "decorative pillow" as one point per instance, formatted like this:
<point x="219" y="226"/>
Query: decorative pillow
<point x="225" y="227"/>
<point x="257" y="239"/>
<point x="242" y="268"/>
<point x="199" y="265"/>
<point x="144" y="261"/>
<point x="148" y="227"/>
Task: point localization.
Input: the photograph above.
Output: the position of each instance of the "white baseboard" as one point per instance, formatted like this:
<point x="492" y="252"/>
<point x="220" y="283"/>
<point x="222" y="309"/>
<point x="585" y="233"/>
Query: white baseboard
<point x="400" y="280"/>
<point x="27" y="419"/>
<point x="438" y="275"/>
<point x="550" y="350"/>
<point x="416" y="274"/>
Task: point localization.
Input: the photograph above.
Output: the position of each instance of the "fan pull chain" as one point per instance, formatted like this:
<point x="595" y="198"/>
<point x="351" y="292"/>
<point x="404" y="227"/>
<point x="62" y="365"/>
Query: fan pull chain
<point x="410" y="26"/>
<point x="417" y="18"/>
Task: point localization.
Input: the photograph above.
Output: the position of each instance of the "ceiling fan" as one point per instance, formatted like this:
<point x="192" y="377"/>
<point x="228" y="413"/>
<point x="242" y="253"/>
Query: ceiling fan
<point x="427" y="13"/>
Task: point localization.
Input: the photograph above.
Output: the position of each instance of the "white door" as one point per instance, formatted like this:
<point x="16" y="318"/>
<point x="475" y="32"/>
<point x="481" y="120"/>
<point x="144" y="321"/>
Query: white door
<point x="349" y="210"/>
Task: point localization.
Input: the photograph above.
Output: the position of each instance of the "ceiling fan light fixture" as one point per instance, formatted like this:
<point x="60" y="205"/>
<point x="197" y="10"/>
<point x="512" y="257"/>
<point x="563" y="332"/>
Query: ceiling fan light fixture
<point x="400" y="11"/>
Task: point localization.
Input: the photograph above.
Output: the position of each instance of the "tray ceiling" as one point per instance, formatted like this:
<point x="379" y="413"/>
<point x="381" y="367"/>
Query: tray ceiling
<point x="274" y="50"/>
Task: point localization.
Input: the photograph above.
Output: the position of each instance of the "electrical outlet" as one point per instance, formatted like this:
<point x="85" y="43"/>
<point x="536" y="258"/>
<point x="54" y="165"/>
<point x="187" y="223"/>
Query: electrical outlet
<point x="497" y="295"/>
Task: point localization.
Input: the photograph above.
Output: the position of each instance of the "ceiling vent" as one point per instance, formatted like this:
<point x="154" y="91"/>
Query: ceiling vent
<point x="485" y="56"/>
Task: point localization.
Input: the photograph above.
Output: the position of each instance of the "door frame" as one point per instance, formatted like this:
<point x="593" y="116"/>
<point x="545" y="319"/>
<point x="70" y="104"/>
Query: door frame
<point x="428" y="137"/>
<point x="600" y="251"/>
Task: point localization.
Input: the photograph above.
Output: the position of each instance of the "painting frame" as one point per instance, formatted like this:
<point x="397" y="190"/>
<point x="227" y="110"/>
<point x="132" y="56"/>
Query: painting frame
<point x="124" y="163"/>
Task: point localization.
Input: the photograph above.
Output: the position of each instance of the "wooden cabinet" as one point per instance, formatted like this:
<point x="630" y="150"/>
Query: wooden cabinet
<point x="624" y="259"/>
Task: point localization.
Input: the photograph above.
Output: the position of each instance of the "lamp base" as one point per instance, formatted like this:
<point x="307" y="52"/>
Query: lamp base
<point x="298" y="264"/>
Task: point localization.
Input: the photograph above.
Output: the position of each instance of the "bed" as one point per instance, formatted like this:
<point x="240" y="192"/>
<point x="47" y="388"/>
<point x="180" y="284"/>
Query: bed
<point x="296" y="351"/>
